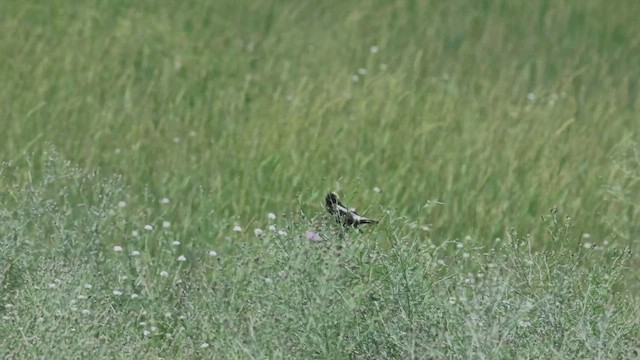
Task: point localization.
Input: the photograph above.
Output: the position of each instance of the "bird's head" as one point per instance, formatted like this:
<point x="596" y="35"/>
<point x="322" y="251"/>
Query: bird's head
<point x="332" y="200"/>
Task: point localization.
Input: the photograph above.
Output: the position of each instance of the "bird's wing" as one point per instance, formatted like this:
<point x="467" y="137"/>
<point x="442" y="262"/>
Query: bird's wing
<point x="357" y="217"/>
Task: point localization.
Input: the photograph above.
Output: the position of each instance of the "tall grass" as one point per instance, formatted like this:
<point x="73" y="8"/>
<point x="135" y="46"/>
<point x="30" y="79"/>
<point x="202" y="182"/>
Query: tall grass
<point x="501" y="111"/>
<point x="90" y="279"/>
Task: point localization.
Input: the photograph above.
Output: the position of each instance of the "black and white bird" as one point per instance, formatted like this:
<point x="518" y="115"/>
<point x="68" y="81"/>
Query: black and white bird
<point x="342" y="214"/>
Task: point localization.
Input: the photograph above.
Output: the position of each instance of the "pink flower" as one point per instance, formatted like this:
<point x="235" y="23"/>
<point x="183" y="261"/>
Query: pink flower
<point x="312" y="236"/>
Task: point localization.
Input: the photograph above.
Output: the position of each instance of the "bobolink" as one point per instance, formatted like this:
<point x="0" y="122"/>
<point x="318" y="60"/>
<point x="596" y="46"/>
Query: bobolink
<point x="342" y="214"/>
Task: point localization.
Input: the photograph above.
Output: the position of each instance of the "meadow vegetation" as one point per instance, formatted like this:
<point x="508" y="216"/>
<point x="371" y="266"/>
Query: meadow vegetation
<point x="162" y="163"/>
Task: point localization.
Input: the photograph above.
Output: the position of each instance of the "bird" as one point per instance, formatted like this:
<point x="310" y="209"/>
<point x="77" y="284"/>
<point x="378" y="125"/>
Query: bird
<point x="342" y="214"/>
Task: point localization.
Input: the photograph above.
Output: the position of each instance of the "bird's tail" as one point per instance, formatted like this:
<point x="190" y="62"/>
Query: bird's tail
<point x="368" y="221"/>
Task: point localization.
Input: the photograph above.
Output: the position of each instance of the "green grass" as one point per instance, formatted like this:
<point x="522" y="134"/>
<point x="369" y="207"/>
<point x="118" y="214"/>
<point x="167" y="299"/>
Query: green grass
<point x="475" y="119"/>
<point x="77" y="282"/>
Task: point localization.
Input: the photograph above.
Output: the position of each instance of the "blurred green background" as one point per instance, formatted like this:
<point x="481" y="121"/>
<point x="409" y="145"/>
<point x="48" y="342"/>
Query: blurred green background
<point x="232" y="109"/>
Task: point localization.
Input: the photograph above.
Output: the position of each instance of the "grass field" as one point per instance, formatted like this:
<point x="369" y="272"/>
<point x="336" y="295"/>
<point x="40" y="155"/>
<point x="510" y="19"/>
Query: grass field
<point x="145" y="143"/>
